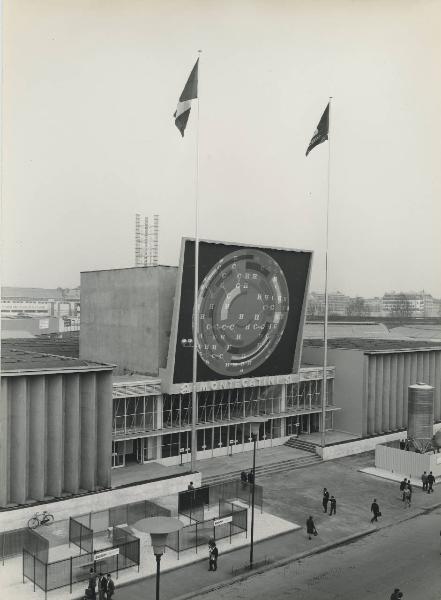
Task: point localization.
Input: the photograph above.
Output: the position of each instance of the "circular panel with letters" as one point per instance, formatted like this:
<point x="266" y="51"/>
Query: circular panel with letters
<point x="243" y="305"/>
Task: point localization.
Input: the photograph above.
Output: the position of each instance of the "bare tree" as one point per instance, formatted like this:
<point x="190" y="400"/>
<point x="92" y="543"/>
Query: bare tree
<point x="357" y="307"/>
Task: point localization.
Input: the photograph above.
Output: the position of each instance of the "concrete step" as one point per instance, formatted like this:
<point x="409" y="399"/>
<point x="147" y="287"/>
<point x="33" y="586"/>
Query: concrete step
<point x="295" y="442"/>
<point x="264" y="470"/>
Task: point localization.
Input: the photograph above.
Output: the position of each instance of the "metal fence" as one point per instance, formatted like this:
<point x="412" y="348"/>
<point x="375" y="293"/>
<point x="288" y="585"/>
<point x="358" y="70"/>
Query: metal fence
<point x="13" y="542"/>
<point x="53" y="575"/>
<point x="199" y="533"/>
<point x="191" y="502"/>
<point x="126" y="514"/>
<point x="80" y="535"/>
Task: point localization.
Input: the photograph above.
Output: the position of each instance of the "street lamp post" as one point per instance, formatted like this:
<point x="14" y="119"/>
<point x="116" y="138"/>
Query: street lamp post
<point x="255" y="423"/>
<point x="159" y="528"/>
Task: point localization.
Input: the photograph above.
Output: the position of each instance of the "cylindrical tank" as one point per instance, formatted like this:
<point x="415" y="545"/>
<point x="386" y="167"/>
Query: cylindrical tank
<point x="420" y="414"/>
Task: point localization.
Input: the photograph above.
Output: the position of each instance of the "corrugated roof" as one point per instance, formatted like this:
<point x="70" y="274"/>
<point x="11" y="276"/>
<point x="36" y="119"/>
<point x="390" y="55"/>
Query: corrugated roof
<point x="68" y="345"/>
<point x="15" y="360"/>
<point x="373" y="345"/>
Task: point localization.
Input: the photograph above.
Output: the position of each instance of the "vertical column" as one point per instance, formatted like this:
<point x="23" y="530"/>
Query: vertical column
<point x="158" y="408"/>
<point x="104" y="430"/>
<point x="409" y="366"/>
<point x="400" y="391"/>
<point x="72" y="433"/>
<point x="18" y="443"/>
<point x="54" y="444"/>
<point x="385" y="359"/>
<point x="393" y="393"/>
<point x="282" y="409"/>
<point x="371" y="394"/>
<point x="436" y="378"/>
<point x="88" y="431"/>
<point x="4" y="441"/>
<point x="37" y="436"/>
<point x="379" y="394"/>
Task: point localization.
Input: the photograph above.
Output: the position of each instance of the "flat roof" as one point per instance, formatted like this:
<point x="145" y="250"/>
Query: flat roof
<point x="67" y="345"/>
<point x="134" y="378"/>
<point x="18" y="361"/>
<point x="373" y="344"/>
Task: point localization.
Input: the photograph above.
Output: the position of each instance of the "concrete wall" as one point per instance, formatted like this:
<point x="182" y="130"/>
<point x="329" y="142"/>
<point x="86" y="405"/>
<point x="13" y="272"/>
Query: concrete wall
<point x="56" y="434"/>
<point x="366" y="445"/>
<point x="126" y="317"/>
<point x="348" y="386"/>
<point x="63" y="509"/>
<point x="408" y="464"/>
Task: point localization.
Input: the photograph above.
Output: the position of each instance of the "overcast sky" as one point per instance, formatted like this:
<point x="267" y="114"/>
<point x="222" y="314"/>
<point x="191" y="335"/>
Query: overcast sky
<point x="89" y="90"/>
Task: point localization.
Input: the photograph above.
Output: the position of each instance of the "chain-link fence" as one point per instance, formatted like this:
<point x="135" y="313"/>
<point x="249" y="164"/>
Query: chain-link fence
<point x="199" y="533"/>
<point x="48" y="576"/>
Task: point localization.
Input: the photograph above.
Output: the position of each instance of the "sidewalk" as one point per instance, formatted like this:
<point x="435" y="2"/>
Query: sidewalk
<point x="293" y="496"/>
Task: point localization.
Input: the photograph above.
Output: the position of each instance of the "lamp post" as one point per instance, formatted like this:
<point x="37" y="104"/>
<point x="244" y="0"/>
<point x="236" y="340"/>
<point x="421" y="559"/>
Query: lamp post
<point x="159" y="528"/>
<point x="255" y="423"/>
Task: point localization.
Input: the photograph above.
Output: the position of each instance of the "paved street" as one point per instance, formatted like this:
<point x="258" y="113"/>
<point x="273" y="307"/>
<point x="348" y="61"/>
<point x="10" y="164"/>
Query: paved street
<point x="294" y="495"/>
<point x="406" y="555"/>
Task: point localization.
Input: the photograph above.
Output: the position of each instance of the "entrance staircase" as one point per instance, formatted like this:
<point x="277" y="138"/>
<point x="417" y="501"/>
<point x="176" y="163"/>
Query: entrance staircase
<point x="263" y="470"/>
<point x="295" y="442"/>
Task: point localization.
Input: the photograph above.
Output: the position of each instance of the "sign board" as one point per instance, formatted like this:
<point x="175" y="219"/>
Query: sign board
<point x="222" y="521"/>
<point x="106" y="554"/>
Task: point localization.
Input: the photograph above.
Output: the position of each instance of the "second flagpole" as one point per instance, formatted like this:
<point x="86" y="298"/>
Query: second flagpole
<point x="194" y="397"/>
<point x="325" y="325"/>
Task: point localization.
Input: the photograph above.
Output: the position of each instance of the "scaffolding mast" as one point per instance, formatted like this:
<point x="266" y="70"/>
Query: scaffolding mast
<point x="146" y="241"/>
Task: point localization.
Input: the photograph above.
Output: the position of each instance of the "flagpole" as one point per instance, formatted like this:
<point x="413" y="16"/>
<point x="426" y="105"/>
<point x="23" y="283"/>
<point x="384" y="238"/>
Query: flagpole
<point x="194" y="398"/>
<point x="325" y="325"/>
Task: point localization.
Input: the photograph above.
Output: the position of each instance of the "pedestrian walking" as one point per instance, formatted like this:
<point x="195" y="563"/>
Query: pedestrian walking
<point x="102" y="586"/>
<point x="410" y="488"/>
<point x="333" y="508"/>
<point x="110" y="590"/>
<point x="375" y="510"/>
<point x="396" y="594"/>
<point x="424" y="480"/>
<point x="310" y="527"/>
<point x="403" y="487"/>
<point x="213" y="553"/>
<point x="430" y="482"/>
<point x="325" y="500"/>
<point x="407" y="497"/>
<point x="91" y="593"/>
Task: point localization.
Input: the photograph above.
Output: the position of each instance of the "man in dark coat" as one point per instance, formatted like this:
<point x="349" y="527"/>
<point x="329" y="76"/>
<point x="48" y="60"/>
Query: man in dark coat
<point x="110" y="587"/>
<point x="310" y="527"/>
<point x="430" y="482"/>
<point x="325" y="500"/>
<point x="333" y="508"/>
<point x="375" y="510"/>
<point x="213" y="553"/>
<point x="396" y="594"/>
<point x="403" y="487"/>
<point x="424" y="480"/>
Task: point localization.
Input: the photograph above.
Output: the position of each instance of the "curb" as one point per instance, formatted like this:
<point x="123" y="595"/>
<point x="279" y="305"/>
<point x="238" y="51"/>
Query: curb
<point x="280" y="563"/>
<point x="293" y="558"/>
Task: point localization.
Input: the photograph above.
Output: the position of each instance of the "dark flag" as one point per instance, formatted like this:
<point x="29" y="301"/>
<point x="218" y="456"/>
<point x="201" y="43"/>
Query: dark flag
<point x="321" y="133"/>
<point x="184" y="105"/>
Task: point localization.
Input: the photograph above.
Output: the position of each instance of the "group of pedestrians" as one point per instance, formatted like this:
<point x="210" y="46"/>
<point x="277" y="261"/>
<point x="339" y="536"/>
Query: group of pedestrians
<point x="105" y="584"/>
<point x="428" y="481"/>
<point x="329" y="500"/>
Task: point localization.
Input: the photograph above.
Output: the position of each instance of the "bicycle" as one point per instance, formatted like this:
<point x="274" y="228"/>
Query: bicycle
<point x="38" y="519"/>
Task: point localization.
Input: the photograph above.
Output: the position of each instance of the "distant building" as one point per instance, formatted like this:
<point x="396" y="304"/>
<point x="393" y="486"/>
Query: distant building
<point x="337" y="304"/>
<point x="410" y="304"/>
<point x="374" y="306"/>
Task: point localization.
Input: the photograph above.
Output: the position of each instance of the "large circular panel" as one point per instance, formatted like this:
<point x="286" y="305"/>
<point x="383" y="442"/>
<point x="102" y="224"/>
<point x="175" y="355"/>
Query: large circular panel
<point x="243" y="305"/>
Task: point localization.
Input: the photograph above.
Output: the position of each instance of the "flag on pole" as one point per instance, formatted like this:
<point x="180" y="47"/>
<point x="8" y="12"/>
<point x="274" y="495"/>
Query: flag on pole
<point x="189" y="92"/>
<point x="321" y="133"/>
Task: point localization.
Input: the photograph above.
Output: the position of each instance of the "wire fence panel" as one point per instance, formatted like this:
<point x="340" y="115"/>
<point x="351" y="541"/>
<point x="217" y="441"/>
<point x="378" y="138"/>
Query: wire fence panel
<point x="12" y="543"/>
<point x="118" y="515"/>
<point x="36" y="544"/>
<point x="99" y="521"/>
<point x="80" y="535"/>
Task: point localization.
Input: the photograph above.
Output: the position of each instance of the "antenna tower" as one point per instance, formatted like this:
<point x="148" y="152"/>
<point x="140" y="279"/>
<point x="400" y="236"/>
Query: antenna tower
<point x="146" y="241"/>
